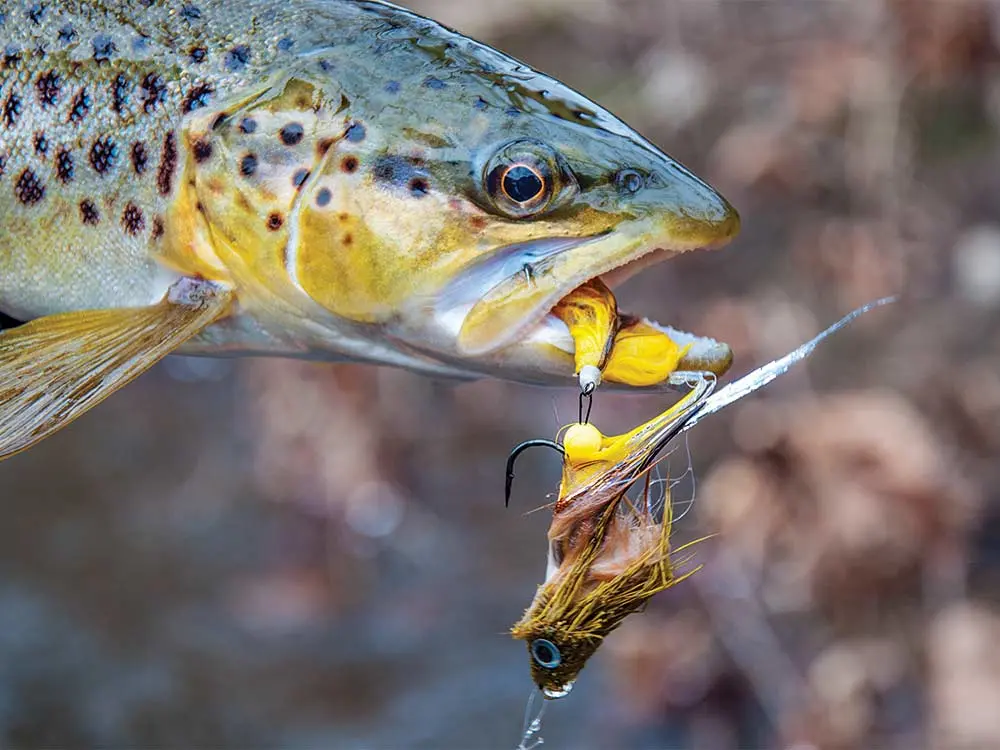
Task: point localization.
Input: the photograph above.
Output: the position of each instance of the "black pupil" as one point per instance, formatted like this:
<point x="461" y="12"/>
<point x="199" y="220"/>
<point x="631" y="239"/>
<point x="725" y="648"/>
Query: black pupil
<point x="522" y="184"/>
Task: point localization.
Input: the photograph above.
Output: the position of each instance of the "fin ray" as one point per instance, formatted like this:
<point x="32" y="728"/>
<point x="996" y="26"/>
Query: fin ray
<point x="54" y="369"/>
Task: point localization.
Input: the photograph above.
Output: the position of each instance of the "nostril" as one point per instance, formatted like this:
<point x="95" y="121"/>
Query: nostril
<point x="629" y="181"/>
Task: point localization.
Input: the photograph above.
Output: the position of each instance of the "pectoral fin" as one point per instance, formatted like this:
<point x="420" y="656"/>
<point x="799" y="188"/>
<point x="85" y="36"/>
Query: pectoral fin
<point x="54" y="369"/>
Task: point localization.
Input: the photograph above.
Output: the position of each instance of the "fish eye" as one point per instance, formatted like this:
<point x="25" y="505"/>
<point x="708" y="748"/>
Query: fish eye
<point x="545" y="653"/>
<point x="522" y="183"/>
<point x="630" y="181"/>
<point x="524" y="178"/>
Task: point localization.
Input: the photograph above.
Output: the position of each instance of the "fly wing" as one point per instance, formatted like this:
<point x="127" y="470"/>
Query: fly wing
<point x="55" y="368"/>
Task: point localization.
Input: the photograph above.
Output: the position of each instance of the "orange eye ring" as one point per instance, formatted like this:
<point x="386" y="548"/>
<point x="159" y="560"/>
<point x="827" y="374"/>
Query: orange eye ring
<point x="524" y="179"/>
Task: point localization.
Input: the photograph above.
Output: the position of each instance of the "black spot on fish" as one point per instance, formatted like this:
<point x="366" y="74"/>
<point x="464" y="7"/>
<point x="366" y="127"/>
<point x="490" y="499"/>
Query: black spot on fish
<point x="191" y="12"/>
<point x="202" y="150"/>
<point x="275" y="222"/>
<point x="481" y="103"/>
<point x="67" y="34"/>
<point x="132" y="219"/>
<point x="140" y="159"/>
<point x="29" y="189"/>
<point x="434" y="83"/>
<point x="41" y="143"/>
<point x="291" y="134"/>
<point x="65" y="167"/>
<point x="157" y="227"/>
<point x="323" y="197"/>
<point x="104" y="48"/>
<point x="394" y="170"/>
<point x="121" y="93"/>
<point x="168" y="164"/>
<point x="285" y="44"/>
<point x="356" y="133"/>
<point x="104" y="154"/>
<point x="248" y="125"/>
<point x="248" y="165"/>
<point x="89" y="213"/>
<point x="11" y="57"/>
<point x="154" y="92"/>
<point x="238" y="57"/>
<point x="349" y="164"/>
<point x="198" y="54"/>
<point x="80" y="108"/>
<point x="198" y="97"/>
<point x="419" y="187"/>
<point x="299" y="178"/>
<point x="393" y="87"/>
<point x="36" y="13"/>
<point x="3" y="164"/>
<point x="47" y="87"/>
<point x="12" y="110"/>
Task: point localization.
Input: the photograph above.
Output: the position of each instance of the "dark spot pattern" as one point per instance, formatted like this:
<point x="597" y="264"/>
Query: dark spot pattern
<point x="395" y="171"/>
<point x="393" y="87"/>
<point x="132" y="219"/>
<point x="104" y="48"/>
<point x="197" y="97"/>
<point x="191" y="12"/>
<point x="65" y="167"/>
<point x="434" y="83"/>
<point x="157" y="227"/>
<point x="168" y="164"/>
<point x="47" y="87"/>
<point x="481" y="103"/>
<point x="41" y="143"/>
<point x="89" y="213"/>
<point x="349" y="164"/>
<point x="3" y="164"/>
<point x="248" y="165"/>
<point x="291" y="134"/>
<point x="121" y="93"/>
<point x="29" y="189"/>
<point x="323" y="197"/>
<point x="419" y="187"/>
<point x="67" y="34"/>
<point x="275" y="222"/>
<point x="104" y="154"/>
<point x="81" y="107"/>
<point x="238" y="57"/>
<point x="248" y="125"/>
<point x="36" y="13"/>
<point x="356" y="133"/>
<point x="154" y="92"/>
<point x="11" y="58"/>
<point x="324" y="145"/>
<point x="285" y="44"/>
<point x="198" y="55"/>
<point x="220" y="120"/>
<point x="140" y="159"/>
<point x="299" y="178"/>
<point x="12" y="109"/>
<point x="202" y="150"/>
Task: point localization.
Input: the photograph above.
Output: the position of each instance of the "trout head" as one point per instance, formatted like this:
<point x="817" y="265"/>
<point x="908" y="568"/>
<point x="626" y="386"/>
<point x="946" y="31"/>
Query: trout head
<point x="433" y="204"/>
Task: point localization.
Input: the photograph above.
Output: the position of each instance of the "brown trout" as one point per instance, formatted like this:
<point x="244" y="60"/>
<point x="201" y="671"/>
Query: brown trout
<point x="334" y="179"/>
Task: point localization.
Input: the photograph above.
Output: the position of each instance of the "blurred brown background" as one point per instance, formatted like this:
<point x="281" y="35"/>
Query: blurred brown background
<point x="263" y="553"/>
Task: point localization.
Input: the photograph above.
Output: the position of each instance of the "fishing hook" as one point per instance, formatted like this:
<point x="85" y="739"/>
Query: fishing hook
<point x="539" y="443"/>
<point x="588" y="394"/>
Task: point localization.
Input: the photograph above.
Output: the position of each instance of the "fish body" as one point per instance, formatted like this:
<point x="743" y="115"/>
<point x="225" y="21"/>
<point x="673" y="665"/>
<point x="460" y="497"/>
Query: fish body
<point x="347" y="179"/>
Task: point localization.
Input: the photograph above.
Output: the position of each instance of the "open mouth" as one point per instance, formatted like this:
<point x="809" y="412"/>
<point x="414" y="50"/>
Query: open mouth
<point x="509" y="300"/>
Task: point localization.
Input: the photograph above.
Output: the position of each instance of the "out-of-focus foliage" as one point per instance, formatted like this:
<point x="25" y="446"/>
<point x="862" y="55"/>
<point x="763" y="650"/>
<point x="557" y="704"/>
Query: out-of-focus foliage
<point x="267" y="553"/>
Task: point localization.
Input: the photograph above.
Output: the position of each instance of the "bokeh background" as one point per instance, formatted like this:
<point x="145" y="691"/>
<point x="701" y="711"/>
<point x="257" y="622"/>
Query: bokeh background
<point x="260" y="554"/>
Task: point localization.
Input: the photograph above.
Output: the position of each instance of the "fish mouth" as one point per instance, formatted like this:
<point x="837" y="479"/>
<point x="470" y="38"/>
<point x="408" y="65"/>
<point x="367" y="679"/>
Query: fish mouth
<point x="502" y="306"/>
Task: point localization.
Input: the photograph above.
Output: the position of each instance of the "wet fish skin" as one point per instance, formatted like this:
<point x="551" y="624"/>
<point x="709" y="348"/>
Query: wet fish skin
<point x="335" y="167"/>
